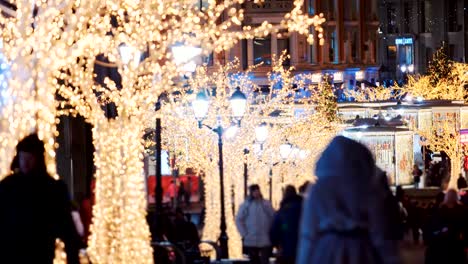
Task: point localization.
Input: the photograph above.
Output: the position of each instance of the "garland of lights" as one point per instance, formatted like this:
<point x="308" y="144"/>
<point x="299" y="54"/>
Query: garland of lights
<point x="52" y="46"/>
<point x="196" y="148"/>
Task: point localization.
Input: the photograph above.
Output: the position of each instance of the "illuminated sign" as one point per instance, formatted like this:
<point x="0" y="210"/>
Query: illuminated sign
<point x="403" y="41"/>
<point x="316" y="77"/>
<point x="360" y="75"/>
<point x="338" y="77"/>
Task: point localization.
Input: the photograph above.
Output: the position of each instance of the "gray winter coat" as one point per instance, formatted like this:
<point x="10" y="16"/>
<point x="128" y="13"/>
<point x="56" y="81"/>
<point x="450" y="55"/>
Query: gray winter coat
<point x="253" y="221"/>
<point x="344" y="218"/>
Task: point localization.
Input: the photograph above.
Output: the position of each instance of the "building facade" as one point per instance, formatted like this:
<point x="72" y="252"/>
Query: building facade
<point x="349" y="51"/>
<point x="412" y="30"/>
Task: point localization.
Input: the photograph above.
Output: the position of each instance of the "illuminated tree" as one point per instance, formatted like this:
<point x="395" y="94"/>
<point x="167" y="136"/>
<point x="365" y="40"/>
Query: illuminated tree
<point x="197" y="148"/>
<point x="373" y="94"/>
<point x="445" y="137"/>
<point x="54" y="46"/>
<point x="326" y="100"/>
<point x="440" y="67"/>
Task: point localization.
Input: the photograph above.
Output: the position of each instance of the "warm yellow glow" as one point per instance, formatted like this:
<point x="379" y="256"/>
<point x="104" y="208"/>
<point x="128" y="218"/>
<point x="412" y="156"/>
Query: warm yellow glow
<point x="54" y="50"/>
<point x="197" y="148"/>
<point x="445" y="136"/>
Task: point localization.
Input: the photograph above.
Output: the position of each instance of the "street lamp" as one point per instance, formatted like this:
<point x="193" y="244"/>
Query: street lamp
<point x="238" y="105"/>
<point x="129" y="55"/>
<point x="261" y="134"/>
<point x="200" y="106"/>
<point x="285" y="151"/>
<point x="403" y="68"/>
<point x="183" y="56"/>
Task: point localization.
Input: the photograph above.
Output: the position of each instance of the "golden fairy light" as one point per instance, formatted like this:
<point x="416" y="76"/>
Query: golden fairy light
<point x="197" y="148"/>
<point x="53" y="48"/>
<point x="445" y="136"/>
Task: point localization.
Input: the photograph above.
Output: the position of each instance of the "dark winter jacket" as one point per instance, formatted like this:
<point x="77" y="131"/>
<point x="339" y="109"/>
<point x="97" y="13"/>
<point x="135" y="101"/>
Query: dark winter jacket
<point x="344" y="219"/>
<point x="34" y="211"/>
<point x="285" y="229"/>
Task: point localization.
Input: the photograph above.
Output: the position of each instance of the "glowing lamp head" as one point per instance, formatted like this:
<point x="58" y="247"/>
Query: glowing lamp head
<point x="200" y="106"/>
<point x="238" y="104"/>
<point x="261" y="133"/>
<point x="411" y="68"/>
<point x="130" y="56"/>
<point x="184" y="56"/>
<point x="285" y="150"/>
<point x="303" y="154"/>
<point x="231" y="132"/>
<point x="403" y="68"/>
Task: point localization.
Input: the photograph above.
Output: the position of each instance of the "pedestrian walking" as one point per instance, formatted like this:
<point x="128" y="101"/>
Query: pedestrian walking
<point x="344" y="218"/>
<point x="417" y="173"/>
<point x="35" y="210"/>
<point x="446" y="234"/>
<point x="171" y="193"/>
<point x="253" y="221"/>
<point x="285" y="229"/>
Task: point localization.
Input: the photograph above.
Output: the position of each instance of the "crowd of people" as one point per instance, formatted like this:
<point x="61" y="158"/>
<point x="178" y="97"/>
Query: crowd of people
<point x="349" y="215"/>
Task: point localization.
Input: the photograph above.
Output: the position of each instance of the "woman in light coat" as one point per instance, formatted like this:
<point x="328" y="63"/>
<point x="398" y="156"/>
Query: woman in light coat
<point x="344" y="219"/>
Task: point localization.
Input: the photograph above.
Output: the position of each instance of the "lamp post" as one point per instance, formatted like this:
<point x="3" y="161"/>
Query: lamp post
<point x="238" y="102"/>
<point x="261" y="134"/>
<point x="183" y="55"/>
<point x="285" y="151"/>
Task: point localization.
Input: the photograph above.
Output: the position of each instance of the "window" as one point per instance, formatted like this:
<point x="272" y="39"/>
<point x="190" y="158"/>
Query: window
<point x="313" y="54"/>
<point x="391" y="53"/>
<point x="405" y="54"/>
<point x="408" y="10"/>
<point x="333" y="52"/>
<point x="452" y="51"/>
<point x="203" y="4"/>
<point x="262" y="50"/>
<point x="283" y="44"/>
<point x="391" y="19"/>
<point x="452" y="16"/>
<point x="371" y="9"/>
<point x="311" y="7"/>
<point x="329" y="9"/>
<point x="354" y="45"/>
<point x="351" y="10"/>
<point x="426" y="16"/>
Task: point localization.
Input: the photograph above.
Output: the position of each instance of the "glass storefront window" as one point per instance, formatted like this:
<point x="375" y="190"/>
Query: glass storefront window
<point x="405" y="54"/>
<point x="283" y="44"/>
<point x="262" y="50"/>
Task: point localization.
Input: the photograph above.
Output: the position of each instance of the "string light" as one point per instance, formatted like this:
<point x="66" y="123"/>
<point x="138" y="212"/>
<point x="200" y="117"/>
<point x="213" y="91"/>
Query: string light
<point x="53" y="48"/>
<point x="197" y="149"/>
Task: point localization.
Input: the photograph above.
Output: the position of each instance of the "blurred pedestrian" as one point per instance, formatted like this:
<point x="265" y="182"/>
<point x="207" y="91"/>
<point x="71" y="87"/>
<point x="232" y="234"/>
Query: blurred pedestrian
<point x="35" y="210"/>
<point x="181" y="193"/>
<point x="446" y="234"/>
<point x="172" y="192"/>
<point x="417" y="173"/>
<point x="253" y="221"/>
<point x="285" y="229"/>
<point x="344" y="216"/>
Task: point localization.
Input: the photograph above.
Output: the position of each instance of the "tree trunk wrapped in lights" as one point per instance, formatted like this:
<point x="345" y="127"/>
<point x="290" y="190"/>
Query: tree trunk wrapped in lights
<point x="119" y="232"/>
<point x="308" y="132"/>
<point x="58" y="36"/>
